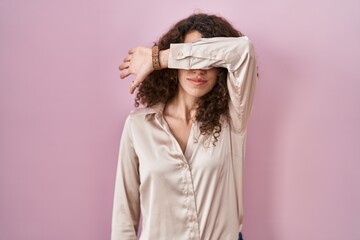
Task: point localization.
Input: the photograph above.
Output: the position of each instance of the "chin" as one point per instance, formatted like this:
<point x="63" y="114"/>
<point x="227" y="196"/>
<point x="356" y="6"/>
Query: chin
<point x="198" y="93"/>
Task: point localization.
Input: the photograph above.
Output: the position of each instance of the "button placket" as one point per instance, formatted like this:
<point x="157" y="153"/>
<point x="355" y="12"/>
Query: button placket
<point x="190" y="202"/>
<point x="187" y="187"/>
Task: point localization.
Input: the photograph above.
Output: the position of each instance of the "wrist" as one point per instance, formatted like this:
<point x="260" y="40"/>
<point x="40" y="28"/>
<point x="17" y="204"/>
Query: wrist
<point x="164" y="58"/>
<point x="155" y="58"/>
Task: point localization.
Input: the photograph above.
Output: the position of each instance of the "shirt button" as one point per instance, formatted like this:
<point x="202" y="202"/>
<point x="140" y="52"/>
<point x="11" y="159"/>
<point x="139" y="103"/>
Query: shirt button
<point x="180" y="54"/>
<point x="186" y="166"/>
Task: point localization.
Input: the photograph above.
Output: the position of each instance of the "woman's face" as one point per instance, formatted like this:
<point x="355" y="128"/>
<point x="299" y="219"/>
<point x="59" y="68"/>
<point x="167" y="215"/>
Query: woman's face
<point x="196" y="82"/>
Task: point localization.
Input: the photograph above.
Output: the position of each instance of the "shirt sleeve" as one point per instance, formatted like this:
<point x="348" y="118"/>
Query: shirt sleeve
<point x="236" y="54"/>
<point x="126" y="208"/>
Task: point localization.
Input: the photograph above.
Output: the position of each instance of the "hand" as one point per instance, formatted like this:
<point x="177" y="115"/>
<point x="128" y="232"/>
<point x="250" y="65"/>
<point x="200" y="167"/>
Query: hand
<point x="138" y="62"/>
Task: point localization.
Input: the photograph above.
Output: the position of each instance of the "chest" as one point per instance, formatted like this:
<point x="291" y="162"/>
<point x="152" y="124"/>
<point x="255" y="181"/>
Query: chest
<point x="179" y="130"/>
<point x="161" y="155"/>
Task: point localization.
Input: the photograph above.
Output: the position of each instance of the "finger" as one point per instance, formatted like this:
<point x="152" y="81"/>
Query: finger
<point x="133" y="86"/>
<point x="131" y="51"/>
<point x="124" y="65"/>
<point x="127" y="58"/>
<point x="132" y="89"/>
<point x="125" y="73"/>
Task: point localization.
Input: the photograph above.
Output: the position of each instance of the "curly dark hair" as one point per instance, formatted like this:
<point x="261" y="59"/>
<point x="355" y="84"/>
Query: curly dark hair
<point x="160" y="86"/>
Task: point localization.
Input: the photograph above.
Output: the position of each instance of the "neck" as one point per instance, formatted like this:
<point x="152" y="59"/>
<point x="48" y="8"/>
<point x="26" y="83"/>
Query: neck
<point x="182" y="107"/>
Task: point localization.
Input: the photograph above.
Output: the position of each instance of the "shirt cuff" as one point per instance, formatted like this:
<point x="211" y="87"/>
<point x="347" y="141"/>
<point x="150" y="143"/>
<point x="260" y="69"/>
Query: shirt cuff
<point x="179" y="56"/>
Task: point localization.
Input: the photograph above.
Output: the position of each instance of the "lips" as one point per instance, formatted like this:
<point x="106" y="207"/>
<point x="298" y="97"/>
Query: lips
<point x="197" y="81"/>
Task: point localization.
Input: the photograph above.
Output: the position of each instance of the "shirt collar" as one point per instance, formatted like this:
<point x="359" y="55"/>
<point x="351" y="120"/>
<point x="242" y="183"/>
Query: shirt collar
<point x="156" y="110"/>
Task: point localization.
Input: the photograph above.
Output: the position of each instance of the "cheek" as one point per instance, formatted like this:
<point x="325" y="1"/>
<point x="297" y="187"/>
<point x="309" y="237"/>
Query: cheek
<point x="212" y="76"/>
<point x="181" y="74"/>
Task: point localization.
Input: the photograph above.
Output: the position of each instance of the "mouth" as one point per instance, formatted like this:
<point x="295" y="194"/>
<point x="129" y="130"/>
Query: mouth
<point x="197" y="81"/>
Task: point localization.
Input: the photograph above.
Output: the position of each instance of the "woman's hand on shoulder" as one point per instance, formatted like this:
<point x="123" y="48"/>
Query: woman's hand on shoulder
<point x="137" y="62"/>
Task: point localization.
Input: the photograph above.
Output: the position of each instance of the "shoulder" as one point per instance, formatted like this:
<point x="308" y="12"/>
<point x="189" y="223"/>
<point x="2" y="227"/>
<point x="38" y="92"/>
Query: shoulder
<point x="139" y="115"/>
<point x="138" y="120"/>
<point x="134" y="119"/>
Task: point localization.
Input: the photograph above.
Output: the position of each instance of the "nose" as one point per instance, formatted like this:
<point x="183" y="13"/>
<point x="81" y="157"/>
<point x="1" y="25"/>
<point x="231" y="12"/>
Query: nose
<point x="199" y="71"/>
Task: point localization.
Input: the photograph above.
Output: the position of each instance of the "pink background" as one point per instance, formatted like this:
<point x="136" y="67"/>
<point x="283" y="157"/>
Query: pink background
<point x="62" y="108"/>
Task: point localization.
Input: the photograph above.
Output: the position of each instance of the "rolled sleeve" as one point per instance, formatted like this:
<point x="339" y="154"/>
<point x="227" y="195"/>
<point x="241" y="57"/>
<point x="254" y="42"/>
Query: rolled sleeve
<point x="179" y="56"/>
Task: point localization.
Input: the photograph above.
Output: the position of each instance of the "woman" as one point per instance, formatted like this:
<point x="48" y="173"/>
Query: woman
<point x="181" y="157"/>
